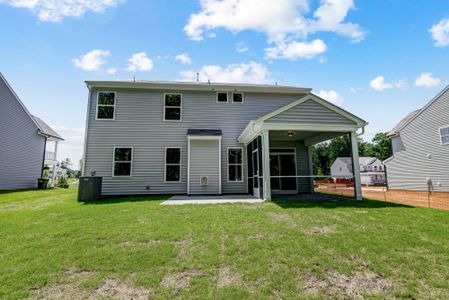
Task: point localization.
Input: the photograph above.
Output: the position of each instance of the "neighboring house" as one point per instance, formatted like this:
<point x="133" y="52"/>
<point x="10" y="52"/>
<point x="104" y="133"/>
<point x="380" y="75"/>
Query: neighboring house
<point x="25" y="141"/>
<point x="207" y="138"/>
<point x="420" y="145"/>
<point x="372" y="171"/>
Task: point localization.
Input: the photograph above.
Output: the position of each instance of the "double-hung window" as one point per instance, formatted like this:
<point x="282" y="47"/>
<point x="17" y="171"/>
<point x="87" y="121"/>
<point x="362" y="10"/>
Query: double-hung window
<point x="237" y="97"/>
<point x="122" y="161"/>
<point x="222" y="97"/>
<point x="235" y="164"/>
<point x="172" y="107"/>
<point x="444" y="135"/>
<point x="106" y="105"/>
<point x="173" y="164"/>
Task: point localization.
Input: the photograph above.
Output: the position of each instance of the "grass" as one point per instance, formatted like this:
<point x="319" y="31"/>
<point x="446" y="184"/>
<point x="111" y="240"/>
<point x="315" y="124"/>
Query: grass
<point x="51" y="246"/>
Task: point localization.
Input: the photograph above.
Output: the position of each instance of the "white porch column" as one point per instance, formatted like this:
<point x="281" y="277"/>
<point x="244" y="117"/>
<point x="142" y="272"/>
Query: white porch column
<point x="309" y="154"/>
<point x="266" y="165"/>
<point x="54" y="164"/>
<point x="356" y="166"/>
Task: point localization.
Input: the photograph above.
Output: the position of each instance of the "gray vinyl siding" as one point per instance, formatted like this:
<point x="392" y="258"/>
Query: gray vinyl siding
<point x="204" y="160"/>
<point x="302" y="162"/>
<point x="418" y="153"/>
<point x="310" y="112"/>
<point x="22" y="149"/>
<point x="139" y="123"/>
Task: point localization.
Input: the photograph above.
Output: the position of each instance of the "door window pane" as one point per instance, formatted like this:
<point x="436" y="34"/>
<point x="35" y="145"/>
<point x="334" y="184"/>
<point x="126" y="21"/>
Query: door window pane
<point x="235" y="165"/>
<point x="173" y="164"/>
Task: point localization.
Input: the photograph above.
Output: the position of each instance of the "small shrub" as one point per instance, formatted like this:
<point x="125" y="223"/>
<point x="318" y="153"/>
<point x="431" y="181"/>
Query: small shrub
<point x="62" y="182"/>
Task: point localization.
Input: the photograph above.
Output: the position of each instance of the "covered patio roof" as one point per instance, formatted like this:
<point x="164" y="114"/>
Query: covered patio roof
<point x="310" y="119"/>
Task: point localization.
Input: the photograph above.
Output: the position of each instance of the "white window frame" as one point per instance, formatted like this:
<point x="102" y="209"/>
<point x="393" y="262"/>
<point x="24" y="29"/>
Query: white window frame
<point x="108" y="105"/>
<point x="123" y="161"/>
<point x="441" y="136"/>
<point x="243" y="97"/>
<point x="180" y="107"/>
<point x="234" y="164"/>
<point x="221" y="92"/>
<point x="171" y="164"/>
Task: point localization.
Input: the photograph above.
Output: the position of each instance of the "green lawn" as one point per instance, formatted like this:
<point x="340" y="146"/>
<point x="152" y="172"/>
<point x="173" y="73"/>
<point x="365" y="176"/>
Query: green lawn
<point x="51" y="247"/>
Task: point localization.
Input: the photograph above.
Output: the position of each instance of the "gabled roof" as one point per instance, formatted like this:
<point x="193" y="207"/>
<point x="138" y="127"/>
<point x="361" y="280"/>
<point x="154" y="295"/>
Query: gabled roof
<point x="45" y="129"/>
<point x="41" y="126"/>
<point x="198" y="86"/>
<point x="310" y="96"/>
<point x="413" y="115"/>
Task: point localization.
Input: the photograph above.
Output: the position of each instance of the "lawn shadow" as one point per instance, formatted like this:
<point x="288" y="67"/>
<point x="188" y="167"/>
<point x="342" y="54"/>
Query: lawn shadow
<point x="337" y="202"/>
<point x="18" y="190"/>
<point x="121" y="199"/>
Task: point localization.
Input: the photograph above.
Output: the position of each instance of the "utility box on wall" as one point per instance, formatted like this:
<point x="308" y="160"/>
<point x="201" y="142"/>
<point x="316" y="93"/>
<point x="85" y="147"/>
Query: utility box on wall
<point x="89" y="188"/>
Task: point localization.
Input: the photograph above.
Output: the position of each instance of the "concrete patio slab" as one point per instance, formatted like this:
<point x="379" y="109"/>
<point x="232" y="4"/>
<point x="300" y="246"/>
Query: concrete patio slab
<point x="184" y="199"/>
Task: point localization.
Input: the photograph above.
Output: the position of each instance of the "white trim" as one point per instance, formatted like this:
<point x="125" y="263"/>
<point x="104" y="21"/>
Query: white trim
<point x="108" y="105"/>
<point x="219" y="167"/>
<point x="89" y="102"/>
<point x="356" y="166"/>
<point x="227" y="165"/>
<point x="232" y="97"/>
<point x="266" y="165"/>
<point x="122" y="161"/>
<point x="197" y="86"/>
<point x="188" y="166"/>
<point x="258" y="174"/>
<point x="221" y="92"/>
<point x="204" y="137"/>
<point x="441" y="137"/>
<point x="180" y="108"/>
<point x="171" y="164"/>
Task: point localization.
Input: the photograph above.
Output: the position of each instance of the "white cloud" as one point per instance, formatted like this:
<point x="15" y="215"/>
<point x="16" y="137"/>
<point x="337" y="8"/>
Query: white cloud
<point x="285" y="22"/>
<point x="331" y="96"/>
<point x="427" y="80"/>
<point x="295" y="50"/>
<point x="111" y="71"/>
<point x="56" y="10"/>
<point x="183" y="58"/>
<point x="250" y="72"/>
<point x="440" y="33"/>
<point x="379" y="84"/>
<point x="241" y="47"/>
<point x="92" y="61"/>
<point x="72" y="146"/>
<point x="139" y="62"/>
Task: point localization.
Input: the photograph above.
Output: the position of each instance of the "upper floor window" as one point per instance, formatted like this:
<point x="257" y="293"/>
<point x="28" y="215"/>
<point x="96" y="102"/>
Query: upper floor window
<point x="106" y="105"/>
<point x="375" y="168"/>
<point x="222" y="97"/>
<point x="235" y="165"/>
<point x="122" y="161"/>
<point x="444" y="135"/>
<point x="380" y="168"/>
<point x="173" y="164"/>
<point x="172" y="107"/>
<point x="237" y="97"/>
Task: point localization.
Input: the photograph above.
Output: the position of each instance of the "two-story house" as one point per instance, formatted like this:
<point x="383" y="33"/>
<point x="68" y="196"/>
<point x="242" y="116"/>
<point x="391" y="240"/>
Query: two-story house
<point x="372" y="170"/>
<point x="420" y="145"/>
<point x="27" y="144"/>
<point x="208" y="138"/>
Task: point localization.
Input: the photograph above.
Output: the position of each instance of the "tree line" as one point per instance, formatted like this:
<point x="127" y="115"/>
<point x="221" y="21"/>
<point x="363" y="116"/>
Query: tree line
<point x="324" y="154"/>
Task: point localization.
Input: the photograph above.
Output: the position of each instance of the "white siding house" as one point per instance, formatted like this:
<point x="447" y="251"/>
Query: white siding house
<point x="25" y="142"/>
<point x="146" y="137"/>
<point x="372" y="170"/>
<point x="420" y="145"/>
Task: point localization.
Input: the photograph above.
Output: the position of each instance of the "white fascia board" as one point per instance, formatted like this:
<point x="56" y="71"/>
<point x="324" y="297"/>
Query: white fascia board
<point x="204" y="137"/>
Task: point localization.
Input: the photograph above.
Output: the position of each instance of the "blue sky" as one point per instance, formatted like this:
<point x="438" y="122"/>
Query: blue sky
<point x="377" y="59"/>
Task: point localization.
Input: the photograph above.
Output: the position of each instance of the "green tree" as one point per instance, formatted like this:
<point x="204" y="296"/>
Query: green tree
<point x="382" y="146"/>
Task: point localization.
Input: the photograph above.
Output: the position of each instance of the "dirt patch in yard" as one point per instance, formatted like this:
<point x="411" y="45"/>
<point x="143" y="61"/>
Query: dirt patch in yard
<point x="322" y="229"/>
<point x="226" y="277"/>
<point x="285" y="218"/>
<point x="112" y="288"/>
<point x="180" y="281"/>
<point x="353" y="286"/>
<point x="183" y="246"/>
<point x="141" y="243"/>
<point x="74" y="273"/>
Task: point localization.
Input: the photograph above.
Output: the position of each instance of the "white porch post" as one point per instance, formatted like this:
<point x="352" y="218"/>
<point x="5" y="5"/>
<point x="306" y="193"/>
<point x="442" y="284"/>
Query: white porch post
<point x="356" y="166"/>
<point x="54" y="164"/>
<point x="309" y="154"/>
<point x="266" y="165"/>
